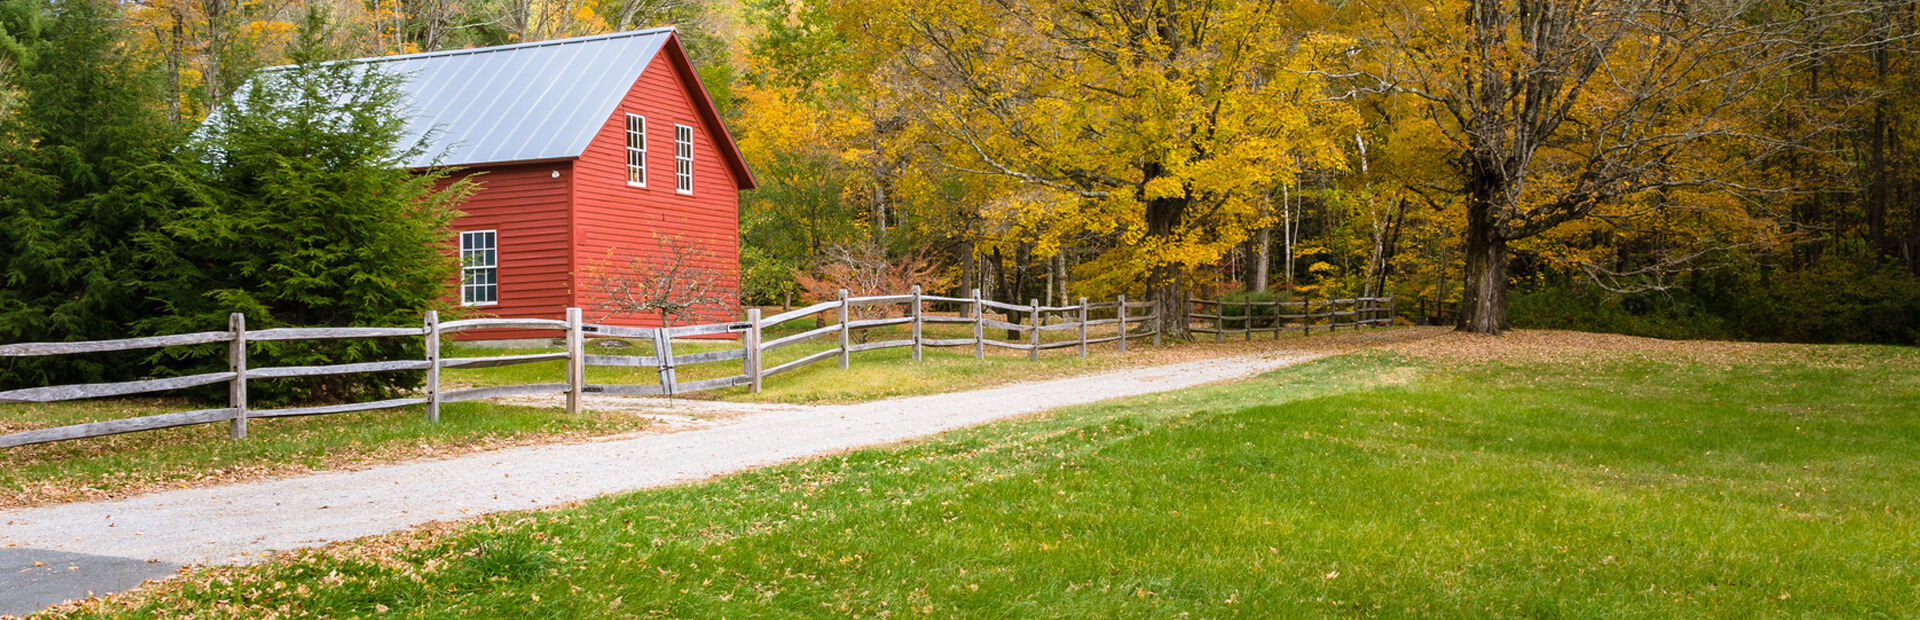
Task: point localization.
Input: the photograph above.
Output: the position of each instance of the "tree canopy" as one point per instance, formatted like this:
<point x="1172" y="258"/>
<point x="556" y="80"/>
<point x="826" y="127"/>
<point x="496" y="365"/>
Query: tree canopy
<point x="1681" y="169"/>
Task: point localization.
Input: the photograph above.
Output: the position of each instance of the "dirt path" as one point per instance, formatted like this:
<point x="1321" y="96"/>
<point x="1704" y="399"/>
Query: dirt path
<point x="239" y="523"/>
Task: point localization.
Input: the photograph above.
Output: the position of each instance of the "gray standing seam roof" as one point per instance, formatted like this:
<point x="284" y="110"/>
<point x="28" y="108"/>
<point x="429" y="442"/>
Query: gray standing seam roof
<point x="532" y="101"/>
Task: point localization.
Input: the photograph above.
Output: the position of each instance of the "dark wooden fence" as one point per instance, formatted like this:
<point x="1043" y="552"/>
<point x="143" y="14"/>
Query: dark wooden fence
<point x="1248" y="317"/>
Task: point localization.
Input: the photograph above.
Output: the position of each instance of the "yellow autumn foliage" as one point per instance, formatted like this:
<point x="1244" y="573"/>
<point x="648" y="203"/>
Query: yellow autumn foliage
<point x="1101" y="126"/>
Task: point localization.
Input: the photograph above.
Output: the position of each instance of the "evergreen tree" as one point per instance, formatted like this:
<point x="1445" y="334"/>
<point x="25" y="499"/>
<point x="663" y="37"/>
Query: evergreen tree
<point x="71" y="234"/>
<point x="298" y="211"/>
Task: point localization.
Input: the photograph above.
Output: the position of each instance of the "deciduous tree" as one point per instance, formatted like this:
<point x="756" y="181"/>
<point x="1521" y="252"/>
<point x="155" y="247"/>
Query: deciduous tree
<point x="674" y="281"/>
<point x="1161" y="123"/>
<point x="1609" y="112"/>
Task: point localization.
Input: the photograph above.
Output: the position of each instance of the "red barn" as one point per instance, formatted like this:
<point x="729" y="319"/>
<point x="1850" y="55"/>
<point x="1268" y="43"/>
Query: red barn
<point x="581" y="147"/>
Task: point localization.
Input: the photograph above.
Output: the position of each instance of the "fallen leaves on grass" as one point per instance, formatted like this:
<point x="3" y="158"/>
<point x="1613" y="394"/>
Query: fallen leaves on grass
<point x="1529" y="345"/>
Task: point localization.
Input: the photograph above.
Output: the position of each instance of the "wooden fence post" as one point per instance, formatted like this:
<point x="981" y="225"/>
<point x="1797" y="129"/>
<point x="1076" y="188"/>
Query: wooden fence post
<point x="916" y="322"/>
<point x="576" y="360"/>
<point x="1033" y="354"/>
<point x="663" y="351"/>
<point x="1122" y="315"/>
<point x="1277" y="323"/>
<point x="1083" y="327"/>
<point x="753" y="350"/>
<point x="433" y="365"/>
<point x="1306" y="315"/>
<point x="979" y="334"/>
<point x="845" y="336"/>
<point x="237" y="364"/>
<point x="1219" y="320"/>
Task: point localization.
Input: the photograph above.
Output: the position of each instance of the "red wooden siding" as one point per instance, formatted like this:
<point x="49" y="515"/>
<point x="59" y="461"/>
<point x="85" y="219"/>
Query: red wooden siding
<point x="612" y="215"/>
<point x="529" y="209"/>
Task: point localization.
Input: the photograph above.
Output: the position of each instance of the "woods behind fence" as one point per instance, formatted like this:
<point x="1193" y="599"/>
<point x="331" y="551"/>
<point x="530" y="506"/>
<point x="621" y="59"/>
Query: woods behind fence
<point x="1031" y="328"/>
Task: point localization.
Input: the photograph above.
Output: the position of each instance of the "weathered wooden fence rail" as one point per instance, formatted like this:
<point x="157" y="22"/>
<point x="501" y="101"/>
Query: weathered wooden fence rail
<point x="1033" y="320"/>
<point x="1327" y="314"/>
<point x="237" y="411"/>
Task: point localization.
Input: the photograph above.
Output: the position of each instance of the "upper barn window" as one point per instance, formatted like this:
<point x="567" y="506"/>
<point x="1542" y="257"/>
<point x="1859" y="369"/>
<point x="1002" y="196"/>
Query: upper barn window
<point x="683" y="158"/>
<point x="636" y="150"/>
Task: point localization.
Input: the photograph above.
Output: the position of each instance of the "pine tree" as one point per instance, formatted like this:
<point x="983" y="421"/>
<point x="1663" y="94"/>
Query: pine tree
<point x="299" y="211"/>
<point x="71" y="254"/>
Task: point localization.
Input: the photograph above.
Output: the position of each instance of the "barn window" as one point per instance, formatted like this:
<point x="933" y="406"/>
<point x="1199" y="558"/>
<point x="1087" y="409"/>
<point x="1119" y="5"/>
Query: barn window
<point x="479" y="263"/>
<point x="636" y="150"/>
<point x="683" y="158"/>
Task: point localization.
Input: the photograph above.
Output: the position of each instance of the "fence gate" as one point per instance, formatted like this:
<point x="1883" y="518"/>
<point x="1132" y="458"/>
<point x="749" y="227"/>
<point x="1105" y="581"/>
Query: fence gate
<point x="665" y="362"/>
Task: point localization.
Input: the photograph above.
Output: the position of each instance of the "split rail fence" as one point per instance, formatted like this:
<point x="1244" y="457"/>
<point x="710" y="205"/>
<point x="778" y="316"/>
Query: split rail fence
<point x="1309" y="315"/>
<point x="1075" y="319"/>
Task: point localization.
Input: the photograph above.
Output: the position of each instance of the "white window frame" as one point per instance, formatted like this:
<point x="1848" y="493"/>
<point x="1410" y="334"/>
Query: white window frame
<point x="636" y="150"/>
<point x="683" y="159"/>
<point x="474" y="260"/>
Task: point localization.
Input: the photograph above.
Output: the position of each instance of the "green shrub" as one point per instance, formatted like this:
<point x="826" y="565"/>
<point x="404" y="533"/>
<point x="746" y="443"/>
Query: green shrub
<point x="1668" y="315"/>
<point x="1836" y="300"/>
<point x="1839" y="301"/>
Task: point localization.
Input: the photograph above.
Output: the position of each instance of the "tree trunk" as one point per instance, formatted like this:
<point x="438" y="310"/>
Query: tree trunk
<point x="1053" y="279"/>
<point x="1878" y="187"/>
<point x="1393" y="245"/>
<point x="1483" y="299"/>
<point x="1289" y="229"/>
<point x="967" y="264"/>
<point x="1377" y="234"/>
<point x="1263" y="254"/>
<point x="1066" y="277"/>
<point x="1163" y="282"/>
<point x="174" y="62"/>
<point x="877" y="211"/>
<point x="1012" y="284"/>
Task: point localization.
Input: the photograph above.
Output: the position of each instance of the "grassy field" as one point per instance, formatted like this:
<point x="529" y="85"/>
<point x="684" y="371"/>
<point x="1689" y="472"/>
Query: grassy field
<point x="1781" y="483"/>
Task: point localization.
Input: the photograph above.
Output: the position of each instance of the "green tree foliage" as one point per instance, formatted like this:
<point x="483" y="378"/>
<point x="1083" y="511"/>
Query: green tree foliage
<point x="71" y="234"/>
<point x="297" y="210"/>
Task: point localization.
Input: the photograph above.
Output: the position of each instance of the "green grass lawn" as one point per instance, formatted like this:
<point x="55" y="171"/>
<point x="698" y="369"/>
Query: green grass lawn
<point x="1783" y="484"/>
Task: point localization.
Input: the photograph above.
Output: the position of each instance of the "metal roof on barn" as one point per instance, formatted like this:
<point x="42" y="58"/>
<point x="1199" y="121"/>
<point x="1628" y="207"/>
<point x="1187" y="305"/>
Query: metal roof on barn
<point x="537" y="101"/>
<point x="532" y="101"/>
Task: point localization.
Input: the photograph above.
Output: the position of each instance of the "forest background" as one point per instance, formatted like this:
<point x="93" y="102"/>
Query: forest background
<point x="1727" y="169"/>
